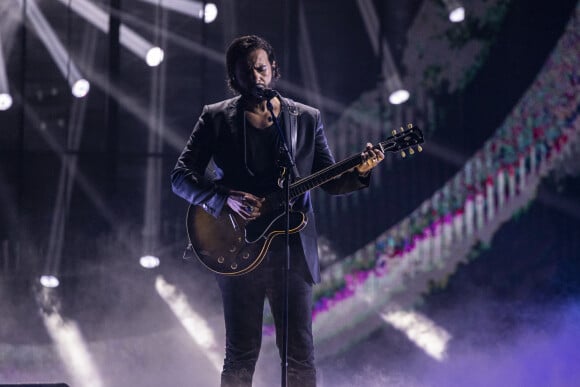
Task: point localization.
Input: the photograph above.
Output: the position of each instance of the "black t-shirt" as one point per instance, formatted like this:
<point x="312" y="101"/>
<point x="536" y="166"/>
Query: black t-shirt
<point x="263" y="151"/>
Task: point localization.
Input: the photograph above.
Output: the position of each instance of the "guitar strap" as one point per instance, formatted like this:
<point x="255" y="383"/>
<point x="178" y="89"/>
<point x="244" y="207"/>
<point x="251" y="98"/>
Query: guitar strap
<point x="291" y="125"/>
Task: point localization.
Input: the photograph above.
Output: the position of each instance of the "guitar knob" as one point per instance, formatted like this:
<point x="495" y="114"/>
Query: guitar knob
<point x="221" y="259"/>
<point x="232" y="249"/>
<point x="246" y="255"/>
<point x="234" y="266"/>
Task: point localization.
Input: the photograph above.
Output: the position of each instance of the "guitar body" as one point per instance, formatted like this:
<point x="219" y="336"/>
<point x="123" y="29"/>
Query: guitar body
<point x="230" y="245"/>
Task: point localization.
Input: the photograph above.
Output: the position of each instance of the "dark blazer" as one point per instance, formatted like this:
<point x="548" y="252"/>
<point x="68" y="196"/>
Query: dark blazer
<point x="213" y="162"/>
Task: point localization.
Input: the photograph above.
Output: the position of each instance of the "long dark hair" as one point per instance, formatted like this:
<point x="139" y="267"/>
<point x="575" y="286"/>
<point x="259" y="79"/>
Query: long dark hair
<point x="239" y="48"/>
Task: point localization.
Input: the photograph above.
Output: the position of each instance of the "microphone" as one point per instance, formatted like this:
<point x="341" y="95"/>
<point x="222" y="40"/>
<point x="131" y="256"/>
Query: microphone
<point x="264" y="93"/>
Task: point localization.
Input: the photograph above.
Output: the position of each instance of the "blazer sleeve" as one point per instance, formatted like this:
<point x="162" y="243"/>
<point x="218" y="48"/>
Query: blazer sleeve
<point x="189" y="179"/>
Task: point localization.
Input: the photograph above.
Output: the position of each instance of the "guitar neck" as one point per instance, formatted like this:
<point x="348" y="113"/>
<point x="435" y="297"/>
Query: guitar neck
<point x="324" y="175"/>
<point x="397" y="142"/>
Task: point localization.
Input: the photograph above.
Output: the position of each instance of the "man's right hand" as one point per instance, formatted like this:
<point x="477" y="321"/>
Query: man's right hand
<point x="245" y="204"/>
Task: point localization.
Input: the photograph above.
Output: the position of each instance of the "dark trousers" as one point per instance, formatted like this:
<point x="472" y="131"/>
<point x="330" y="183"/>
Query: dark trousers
<point x="243" y="301"/>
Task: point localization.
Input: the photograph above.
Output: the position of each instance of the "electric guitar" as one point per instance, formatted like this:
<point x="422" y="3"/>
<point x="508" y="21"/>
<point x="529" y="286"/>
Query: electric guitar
<point x="230" y="245"/>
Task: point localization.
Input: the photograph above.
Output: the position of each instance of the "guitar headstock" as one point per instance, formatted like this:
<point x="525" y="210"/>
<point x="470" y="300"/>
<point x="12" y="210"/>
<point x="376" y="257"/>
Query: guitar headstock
<point x="403" y="139"/>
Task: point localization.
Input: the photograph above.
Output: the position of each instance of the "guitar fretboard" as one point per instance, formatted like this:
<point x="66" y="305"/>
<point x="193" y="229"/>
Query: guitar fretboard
<point x="324" y="175"/>
<point x="395" y="143"/>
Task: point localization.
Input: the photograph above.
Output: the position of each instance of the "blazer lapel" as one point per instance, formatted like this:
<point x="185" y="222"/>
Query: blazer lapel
<point x="290" y="116"/>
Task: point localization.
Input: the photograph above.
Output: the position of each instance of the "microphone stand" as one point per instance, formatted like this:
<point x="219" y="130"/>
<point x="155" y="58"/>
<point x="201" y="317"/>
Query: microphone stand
<point x="288" y="162"/>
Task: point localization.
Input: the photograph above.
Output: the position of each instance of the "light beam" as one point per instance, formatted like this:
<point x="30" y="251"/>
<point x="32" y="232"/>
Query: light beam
<point x="132" y="41"/>
<point x="68" y="339"/>
<point x="420" y="330"/>
<point x="193" y="322"/>
<point x="5" y="97"/>
<point x="79" y="86"/>
<point x="191" y="8"/>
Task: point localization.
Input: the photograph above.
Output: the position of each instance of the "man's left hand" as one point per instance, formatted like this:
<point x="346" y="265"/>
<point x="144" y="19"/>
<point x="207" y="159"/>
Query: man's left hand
<point x="372" y="157"/>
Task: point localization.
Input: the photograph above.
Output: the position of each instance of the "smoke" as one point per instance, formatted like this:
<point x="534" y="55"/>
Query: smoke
<point x="494" y="344"/>
<point x="543" y="352"/>
<point x="135" y="340"/>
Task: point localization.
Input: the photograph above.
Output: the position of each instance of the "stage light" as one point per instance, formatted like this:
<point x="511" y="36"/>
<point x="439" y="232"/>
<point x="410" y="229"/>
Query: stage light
<point x="210" y="13"/>
<point x="394" y="88"/>
<point x="149" y="261"/>
<point x="56" y="49"/>
<point x="191" y="8"/>
<point x="398" y="97"/>
<point x="5" y="97"/>
<point x="152" y="54"/>
<point x="420" y="330"/>
<point x="456" y="10"/>
<point x="81" y="88"/>
<point x="49" y="281"/>
<point x="457" y="15"/>
<point x="5" y="101"/>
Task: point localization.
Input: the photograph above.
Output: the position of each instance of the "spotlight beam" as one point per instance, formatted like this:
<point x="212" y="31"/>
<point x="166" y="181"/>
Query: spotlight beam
<point x="84" y="182"/>
<point x="154" y="172"/>
<point x="68" y="340"/>
<point x="196" y="9"/>
<point x="5" y="97"/>
<point x="72" y="350"/>
<point x="197" y="327"/>
<point x="127" y="37"/>
<point x="68" y="170"/>
<point x="79" y="85"/>
<point x="420" y="330"/>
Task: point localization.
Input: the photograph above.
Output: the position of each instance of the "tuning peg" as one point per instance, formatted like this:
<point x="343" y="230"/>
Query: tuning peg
<point x="394" y="132"/>
<point x="401" y="130"/>
<point x="409" y="125"/>
<point x="403" y="154"/>
<point x="411" y="151"/>
<point x="419" y="148"/>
